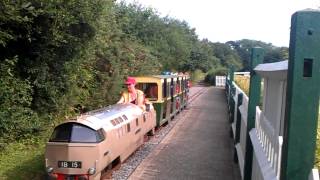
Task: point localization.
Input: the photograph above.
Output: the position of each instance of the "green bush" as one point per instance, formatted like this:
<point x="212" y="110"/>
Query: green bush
<point x="197" y="76"/>
<point x="211" y="75"/>
<point x="17" y="120"/>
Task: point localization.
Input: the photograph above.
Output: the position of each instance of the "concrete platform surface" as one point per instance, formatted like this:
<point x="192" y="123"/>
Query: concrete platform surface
<point x="198" y="147"/>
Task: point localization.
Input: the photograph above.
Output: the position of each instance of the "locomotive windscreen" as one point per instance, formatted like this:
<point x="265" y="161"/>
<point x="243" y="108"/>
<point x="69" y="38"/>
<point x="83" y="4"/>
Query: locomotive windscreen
<point x="75" y="133"/>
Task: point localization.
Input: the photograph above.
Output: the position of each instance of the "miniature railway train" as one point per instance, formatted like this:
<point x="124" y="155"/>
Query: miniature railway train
<point x="84" y="147"/>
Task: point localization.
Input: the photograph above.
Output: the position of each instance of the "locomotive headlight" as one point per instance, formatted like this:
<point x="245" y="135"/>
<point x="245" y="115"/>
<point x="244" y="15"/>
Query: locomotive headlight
<point x="49" y="169"/>
<point x="91" y="171"/>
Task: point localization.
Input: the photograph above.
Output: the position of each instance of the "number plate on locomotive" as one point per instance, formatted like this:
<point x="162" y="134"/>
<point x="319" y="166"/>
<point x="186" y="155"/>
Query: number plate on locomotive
<point x="69" y="164"/>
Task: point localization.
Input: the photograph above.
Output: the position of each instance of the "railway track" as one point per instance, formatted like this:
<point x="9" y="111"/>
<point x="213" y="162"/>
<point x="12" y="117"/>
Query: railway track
<point x="198" y="147"/>
<point x="123" y="171"/>
<point x="198" y="93"/>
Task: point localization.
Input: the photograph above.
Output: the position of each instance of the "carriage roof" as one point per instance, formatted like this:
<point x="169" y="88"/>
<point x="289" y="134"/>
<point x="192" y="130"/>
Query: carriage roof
<point x="159" y="78"/>
<point x="102" y="117"/>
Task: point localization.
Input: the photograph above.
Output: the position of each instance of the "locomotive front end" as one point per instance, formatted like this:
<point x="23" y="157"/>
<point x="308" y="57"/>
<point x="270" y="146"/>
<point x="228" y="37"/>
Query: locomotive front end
<point x="73" y="152"/>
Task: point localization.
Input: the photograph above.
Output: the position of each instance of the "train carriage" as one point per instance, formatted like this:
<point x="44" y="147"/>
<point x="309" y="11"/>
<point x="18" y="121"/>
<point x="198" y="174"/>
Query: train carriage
<point x="167" y="93"/>
<point x="184" y="94"/>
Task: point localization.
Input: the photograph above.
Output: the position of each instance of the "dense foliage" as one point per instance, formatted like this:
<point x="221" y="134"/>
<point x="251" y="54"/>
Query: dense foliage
<point x="272" y="53"/>
<point x="59" y="58"/>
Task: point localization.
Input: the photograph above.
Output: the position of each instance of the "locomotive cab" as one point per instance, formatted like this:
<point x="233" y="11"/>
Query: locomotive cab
<point x="65" y="157"/>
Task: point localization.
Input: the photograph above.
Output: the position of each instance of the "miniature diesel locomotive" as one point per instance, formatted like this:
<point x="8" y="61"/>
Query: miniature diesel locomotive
<point x="82" y="148"/>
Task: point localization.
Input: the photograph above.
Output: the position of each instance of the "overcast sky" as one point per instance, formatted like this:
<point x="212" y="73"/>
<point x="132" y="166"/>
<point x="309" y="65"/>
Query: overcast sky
<point x="224" y="20"/>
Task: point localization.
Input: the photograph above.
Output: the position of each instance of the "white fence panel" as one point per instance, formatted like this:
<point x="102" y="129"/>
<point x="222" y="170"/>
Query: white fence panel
<point x="314" y="175"/>
<point x="241" y="146"/>
<point x="233" y="125"/>
<point x="262" y="168"/>
<point x="267" y="148"/>
<point x="242" y="73"/>
<point x="220" y="80"/>
<point x="235" y="98"/>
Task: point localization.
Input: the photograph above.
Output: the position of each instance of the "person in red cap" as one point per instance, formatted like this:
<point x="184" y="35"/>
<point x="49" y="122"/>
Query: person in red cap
<point x="132" y="95"/>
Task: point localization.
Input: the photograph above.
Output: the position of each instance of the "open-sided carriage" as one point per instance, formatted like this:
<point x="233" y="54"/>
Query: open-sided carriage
<point x="167" y="93"/>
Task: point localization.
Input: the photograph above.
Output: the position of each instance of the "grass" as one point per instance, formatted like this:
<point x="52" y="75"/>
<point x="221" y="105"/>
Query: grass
<point x="23" y="160"/>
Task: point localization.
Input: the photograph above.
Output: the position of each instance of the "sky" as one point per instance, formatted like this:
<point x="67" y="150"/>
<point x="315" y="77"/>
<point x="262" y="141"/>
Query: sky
<point x="224" y="20"/>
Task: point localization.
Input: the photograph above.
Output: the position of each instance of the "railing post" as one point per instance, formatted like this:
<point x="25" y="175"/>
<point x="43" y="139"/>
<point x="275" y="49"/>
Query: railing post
<point x="231" y="76"/>
<point x="232" y="104"/>
<point x="238" y="119"/>
<point x="226" y="83"/>
<point x="228" y="86"/>
<point x="238" y="126"/>
<point x="302" y="100"/>
<point x="254" y="99"/>
<point x="231" y="73"/>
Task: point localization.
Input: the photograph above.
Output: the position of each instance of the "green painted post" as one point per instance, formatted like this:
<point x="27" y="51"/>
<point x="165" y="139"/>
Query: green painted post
<point x="238" y="119"/>
<point x="231" y="73"/>
<point x="227" y="86"/>
<point x="159" y="111"/>
<point x="302" y="99"/>
<point x="231" y="77"/>
<point x="254" y="99"/>
<point x="232" y="105"/>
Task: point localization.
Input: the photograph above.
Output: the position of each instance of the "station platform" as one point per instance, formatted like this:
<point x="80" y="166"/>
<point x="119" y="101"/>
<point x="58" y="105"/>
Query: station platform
<point x="198" y="146"/>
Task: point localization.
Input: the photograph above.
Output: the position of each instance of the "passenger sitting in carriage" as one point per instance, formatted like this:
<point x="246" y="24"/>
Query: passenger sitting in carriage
<point x="152" y="91"/>
<point x="133" y="95"/>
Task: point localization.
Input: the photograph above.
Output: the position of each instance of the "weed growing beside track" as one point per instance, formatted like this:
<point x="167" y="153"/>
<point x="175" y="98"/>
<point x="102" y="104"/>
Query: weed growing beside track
<point x="23" y="160"/>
